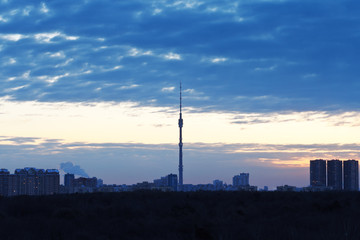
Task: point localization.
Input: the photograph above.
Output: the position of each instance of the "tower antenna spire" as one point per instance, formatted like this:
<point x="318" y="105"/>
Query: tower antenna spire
<point x="181" y="123"/>
<point x="180" y="97"/>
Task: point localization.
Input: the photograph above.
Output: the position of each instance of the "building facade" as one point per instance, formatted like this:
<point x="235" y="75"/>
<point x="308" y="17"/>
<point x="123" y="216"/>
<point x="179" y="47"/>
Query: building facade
<point x="334" y="174"/>
<point x="69" y="182"/>
<point x="218" y="185"/>
<point x="318" y="173"/>
<point x="241" y="180"/>
<point x="351" y="175"/>
<point x="4" y="182"/>
<point x="167" y="183"/>
<point x="29" y="181"/>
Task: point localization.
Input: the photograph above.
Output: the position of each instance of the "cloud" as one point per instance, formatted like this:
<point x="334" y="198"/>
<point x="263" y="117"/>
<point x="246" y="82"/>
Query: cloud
<point x="52" y="79"/>
<point x="44" y="8"/>
<point x="194" y="95"/>
<point x="185" y="4"/>
<point x="129" y="86"/>
<point x="134" y="52"/>
<point x="12" y="61"/>
<point x="26" y="11"/>
<point x="64" y="63"/>
<point x="40" y="37"/>
<point x="168" y="89"/>
<point x="12" y="37"/>
<point x="15" y="88"/>
<point x="2" y="19"/>
<point x="157" y="11"/>
<point x="172" y="56"/>
<point x="48" y="37"/>
<point x="18" y="140"/>
<point x="271" y="68"/>
<point x="26" y="75"/>
<point x="218" y="60"/>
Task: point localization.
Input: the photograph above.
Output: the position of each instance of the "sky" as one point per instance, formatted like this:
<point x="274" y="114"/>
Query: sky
<point x="268" y="85"/>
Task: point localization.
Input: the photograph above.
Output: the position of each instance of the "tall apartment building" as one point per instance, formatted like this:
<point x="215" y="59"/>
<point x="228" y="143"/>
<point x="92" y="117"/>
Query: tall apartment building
<point x="69" y="182"/>
<point x="318" y="173"/>
<point x="52" y="182"/>
<point x="172" y="181"/>
<point x="241" y="180"/>
<point x="4" y="182"/>
<point x="351" y="175"/>
<point x="13" y="185"/>
<point x="169" y="182"/>
<point x="334" y="174"/>
<point x="20" y="185"/>
<point x="29" y="181"/>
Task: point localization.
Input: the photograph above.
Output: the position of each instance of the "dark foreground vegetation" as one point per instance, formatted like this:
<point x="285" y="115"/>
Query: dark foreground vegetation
<point x="172" y="215"/>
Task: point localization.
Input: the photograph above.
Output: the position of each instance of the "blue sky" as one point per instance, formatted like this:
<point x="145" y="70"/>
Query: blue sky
<point x="264" y="62"/>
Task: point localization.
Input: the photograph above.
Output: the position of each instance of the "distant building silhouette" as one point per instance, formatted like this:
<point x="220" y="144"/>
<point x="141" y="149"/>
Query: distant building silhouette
<point x="351" y="175"/>
<point x="241" y="180"/>
<point x="334" y="174"/>
<point x="142" y="186"/>
<point x="218" y="185"/>
<point x="13" y="185"/>
<point x="85" y="182"/>
<point x="69" y="182"/>
<point x="167" y="183"/>
<point x="99" y="183"/>
<point x="4" y="182"/>
<point x="52" y="182"/>
<point x="83" y="185"/>
<point x="172" y="181"/>
<point x="286" y="188"/>
<point x="318" y="173"/>
<point x="29" y="181"/>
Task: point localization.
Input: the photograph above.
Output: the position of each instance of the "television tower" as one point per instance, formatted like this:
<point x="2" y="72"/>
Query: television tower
<point x="180" y="187"/>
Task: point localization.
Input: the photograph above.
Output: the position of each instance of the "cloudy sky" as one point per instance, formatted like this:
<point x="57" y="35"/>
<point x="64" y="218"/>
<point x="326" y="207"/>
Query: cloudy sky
<point x="268" y="85"/>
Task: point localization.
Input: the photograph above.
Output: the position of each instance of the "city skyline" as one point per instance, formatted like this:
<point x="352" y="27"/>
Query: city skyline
<point x="267" y="85"/>
<point x="325" y="175"/>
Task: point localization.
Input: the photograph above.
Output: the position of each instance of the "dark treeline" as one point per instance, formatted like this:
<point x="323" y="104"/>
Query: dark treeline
<point x="174" y="215"/>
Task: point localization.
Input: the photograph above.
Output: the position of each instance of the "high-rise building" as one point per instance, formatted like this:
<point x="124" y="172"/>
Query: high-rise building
<point x="172" y="181"/>
<point x="69" y="182"/>
<point x="31" y="181"/>
<point x="99" y="183"/>
<point x="34" y="181"/>
<point x="159" y="183"/>
<point x="13" y="185"/>
<point x="52" y="182"/>
<point x="351" y="175"/>
<point x="20" y="181"/>
<point x="334" y="174"/>
<point x="169" y="182"/>
<point x="4" y="182"/>
<point x="241" y="180"/>
<point x="318" y="173"/>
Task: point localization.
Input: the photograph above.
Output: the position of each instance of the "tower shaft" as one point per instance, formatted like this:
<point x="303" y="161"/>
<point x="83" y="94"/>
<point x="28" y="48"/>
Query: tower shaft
<point x="181" y="122"/>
